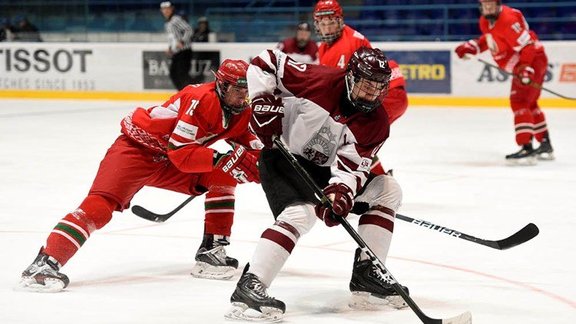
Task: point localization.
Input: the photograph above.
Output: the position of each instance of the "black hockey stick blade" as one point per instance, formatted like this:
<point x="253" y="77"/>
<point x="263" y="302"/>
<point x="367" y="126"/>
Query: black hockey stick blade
<point x="527" y="233"/>
<point x="158" y="218"/>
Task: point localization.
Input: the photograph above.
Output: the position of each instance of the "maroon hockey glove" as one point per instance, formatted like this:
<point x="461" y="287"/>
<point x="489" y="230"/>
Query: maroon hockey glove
<point x="470" y="47"/>
<point x="524" y="73"/>
<point x="342" y="202"/>
<point x="240" y="164"/>
<point x="267" y="114"/>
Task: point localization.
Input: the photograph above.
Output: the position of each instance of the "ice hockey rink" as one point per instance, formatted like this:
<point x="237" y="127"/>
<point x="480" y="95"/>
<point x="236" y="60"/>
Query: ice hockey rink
<point x="449" y="162"/>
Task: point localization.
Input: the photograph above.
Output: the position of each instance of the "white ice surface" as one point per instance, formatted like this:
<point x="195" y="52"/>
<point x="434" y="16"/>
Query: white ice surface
<point x="450" y="163"/>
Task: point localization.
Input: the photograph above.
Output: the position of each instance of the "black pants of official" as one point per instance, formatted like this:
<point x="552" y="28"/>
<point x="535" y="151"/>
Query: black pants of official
<point x="180" y="69"/>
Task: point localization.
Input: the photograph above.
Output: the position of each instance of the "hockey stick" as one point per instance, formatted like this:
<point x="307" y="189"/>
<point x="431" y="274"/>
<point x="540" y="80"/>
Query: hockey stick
<point x="524" y="235"/>
<point x="463" y="318"/>
<point x="527" y="233"/>
<point x="533" y="84"/>
<point x="158" y="218"/>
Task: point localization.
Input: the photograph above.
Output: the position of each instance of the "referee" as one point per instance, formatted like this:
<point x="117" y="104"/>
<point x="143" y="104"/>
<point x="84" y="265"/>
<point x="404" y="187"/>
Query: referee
<point x="179" y="36"/>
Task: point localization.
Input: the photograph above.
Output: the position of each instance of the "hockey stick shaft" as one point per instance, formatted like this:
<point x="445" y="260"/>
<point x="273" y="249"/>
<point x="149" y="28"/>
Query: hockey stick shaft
<point x="363" y="246"/>
<point x="525" y="234"/>
<point x="533" y="84"/>
<point x="158" y="218"/>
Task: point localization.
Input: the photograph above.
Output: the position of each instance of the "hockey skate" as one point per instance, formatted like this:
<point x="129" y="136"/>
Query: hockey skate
<point x="526" y="156"/>
<point x="212" y="261"/>
<point x="250" y="302"/>
<point x="369" y="289"/>
<point x="545" y="152"/>
<point x="43" y="276"/>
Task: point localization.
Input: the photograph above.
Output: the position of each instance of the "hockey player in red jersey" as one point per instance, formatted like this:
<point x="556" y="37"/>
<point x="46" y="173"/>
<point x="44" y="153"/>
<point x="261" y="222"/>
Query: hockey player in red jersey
<point x="516" y="49"/>
<point x="301" y="47"/>
<point x="167" y="146"/>
<point x="339" y="42"/>
<point x="334" y="135"/>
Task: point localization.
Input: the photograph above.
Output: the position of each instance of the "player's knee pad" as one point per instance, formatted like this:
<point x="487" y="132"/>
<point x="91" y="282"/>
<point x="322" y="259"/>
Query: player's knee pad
<point x="300" y="215"/>
<point x="97" y="210"/>
<point x="382" y="190"/>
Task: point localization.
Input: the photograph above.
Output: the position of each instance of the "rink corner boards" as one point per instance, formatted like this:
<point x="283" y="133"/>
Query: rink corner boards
<point x="414" y="100"/>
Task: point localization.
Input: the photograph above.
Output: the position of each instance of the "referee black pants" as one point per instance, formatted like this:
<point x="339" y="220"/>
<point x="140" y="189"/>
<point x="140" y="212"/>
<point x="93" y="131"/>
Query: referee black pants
<point x="180" y="69"/>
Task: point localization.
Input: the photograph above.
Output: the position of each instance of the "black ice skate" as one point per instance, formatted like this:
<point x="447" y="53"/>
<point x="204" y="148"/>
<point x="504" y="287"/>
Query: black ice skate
<point x="43" y="276"/>
<point x="212" y="261"/>
<point x="250" y="302"/>
<point x="369" y="289"/>
<point x="545" y="152"/>
<point x="526" y="156"/>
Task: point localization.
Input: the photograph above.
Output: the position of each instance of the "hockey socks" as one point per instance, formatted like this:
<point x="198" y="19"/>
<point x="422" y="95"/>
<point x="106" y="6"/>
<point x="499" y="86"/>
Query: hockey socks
<point x="75" y="228"/>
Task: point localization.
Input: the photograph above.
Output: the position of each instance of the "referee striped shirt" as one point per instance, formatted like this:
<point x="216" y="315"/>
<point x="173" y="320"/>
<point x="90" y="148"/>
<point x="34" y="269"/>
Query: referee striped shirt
<point x="178" y="30"/>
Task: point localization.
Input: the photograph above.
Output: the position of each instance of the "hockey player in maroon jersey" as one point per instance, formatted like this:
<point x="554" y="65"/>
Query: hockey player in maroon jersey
<point x="301" y="47"/>
<point x="516" y="49"/>
<point x="167" y="146"/>
<point x="339" y="42"/>
<point x="334" y="135"/>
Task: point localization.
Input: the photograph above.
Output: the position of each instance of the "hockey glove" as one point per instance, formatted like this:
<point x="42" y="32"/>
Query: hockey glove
<point x="267" y="114"/>
<point x="239" y="164"/>
<point x="525" y="73"/>
<point x="342" y="202"/>
<point x="466" y="49"/>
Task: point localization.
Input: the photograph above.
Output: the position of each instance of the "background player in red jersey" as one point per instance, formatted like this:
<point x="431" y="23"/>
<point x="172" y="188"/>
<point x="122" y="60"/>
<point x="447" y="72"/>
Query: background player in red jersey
<point x="301" y="47"/>
<point x="334" y="135"/>
<point x="167" y="146"/>
<point x="339" y="42"/>
<point x="516" y="49"/>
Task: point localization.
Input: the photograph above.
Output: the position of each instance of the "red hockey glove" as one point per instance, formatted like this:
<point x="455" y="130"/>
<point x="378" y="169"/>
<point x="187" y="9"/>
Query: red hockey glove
<point x="525" y="73"/>
<point x="240" y="164"/>
<point x="470" y="47"/>
<point x="267" y="114"/>
<point x="342" y="202"/>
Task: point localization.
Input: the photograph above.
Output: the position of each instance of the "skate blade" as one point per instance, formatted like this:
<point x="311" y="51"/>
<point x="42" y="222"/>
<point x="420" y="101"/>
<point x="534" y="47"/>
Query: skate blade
<point x="31" y="285"/>
<point x="362" y="300"/>
<point x="527" y="161"/>
<point x="546" y="157"/>
<point x="241" y="312"/>
<point x="207" y="271"/>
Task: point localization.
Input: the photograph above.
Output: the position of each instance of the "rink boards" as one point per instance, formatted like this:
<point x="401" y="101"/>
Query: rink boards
<point x="139" y="71"/>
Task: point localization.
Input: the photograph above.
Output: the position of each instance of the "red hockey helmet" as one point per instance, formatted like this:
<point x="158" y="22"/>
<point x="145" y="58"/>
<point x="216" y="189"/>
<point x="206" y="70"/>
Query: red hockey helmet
<point x="328" y="12"/>
<point x="231" y="84"/>
<point x="490" y="9"/>
<point x="368" y="78"/>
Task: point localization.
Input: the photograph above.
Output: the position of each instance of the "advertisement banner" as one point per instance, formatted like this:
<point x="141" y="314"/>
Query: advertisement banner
<point x="424" y="71"/>
<point x="74" y="67"/>
<point x="474" y="78"/>
<point x="156" y="68"/>
<point x="430" y="68"/>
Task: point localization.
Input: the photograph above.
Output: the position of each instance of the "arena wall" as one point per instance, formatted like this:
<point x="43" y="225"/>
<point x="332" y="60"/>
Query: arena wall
<point x="139" y="71"/>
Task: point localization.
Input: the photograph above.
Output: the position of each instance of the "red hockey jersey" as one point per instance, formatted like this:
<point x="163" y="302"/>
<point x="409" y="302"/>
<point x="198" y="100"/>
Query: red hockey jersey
<point x="509" y="39"/>
<point x="185" y="125"/>
<point x="339" y="53"/>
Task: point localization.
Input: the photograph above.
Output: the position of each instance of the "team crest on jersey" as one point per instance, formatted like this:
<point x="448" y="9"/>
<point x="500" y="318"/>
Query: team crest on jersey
<point x="320" y="147"/>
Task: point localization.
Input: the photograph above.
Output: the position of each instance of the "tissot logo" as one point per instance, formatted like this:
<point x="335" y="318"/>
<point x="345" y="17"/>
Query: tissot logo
<point x="44" y="60"/>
